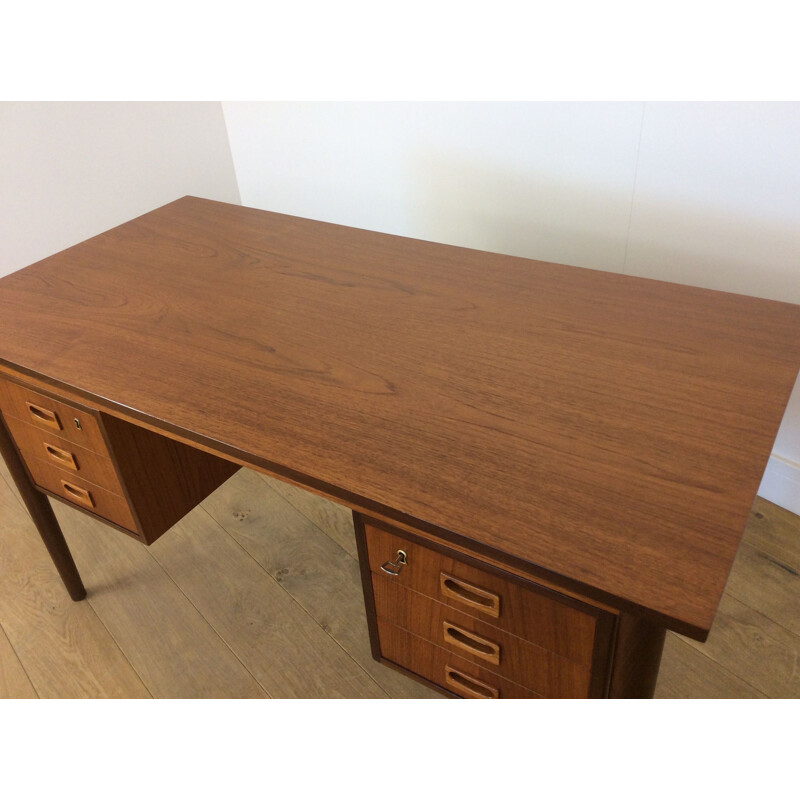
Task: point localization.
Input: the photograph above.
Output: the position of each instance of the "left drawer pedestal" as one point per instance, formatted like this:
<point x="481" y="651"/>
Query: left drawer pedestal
<point x="139" y="481"/>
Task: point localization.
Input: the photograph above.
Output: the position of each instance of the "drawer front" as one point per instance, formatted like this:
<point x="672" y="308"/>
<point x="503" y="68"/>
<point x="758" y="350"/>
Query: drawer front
<point x="445" y="669"/>
<point x="82" y="493"/>
<point x="539" y="616"/>
<point x="483" y="644"/>
<point x="63" y="454"/>
<point x="52" y="416"/>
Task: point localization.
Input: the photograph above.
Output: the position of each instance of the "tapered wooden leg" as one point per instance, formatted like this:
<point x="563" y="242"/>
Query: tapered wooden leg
<point x="637" y="657"/>
<point x="43" y="517"/>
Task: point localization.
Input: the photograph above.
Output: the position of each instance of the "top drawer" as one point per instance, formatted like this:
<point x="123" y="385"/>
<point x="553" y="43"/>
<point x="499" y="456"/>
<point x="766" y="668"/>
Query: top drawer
<point x="77" y="424"/>
<point x="536" y="614"/>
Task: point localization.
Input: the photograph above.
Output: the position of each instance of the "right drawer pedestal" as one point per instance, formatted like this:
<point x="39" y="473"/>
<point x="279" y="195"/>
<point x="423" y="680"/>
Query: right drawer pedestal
<point x="474" y="630"/>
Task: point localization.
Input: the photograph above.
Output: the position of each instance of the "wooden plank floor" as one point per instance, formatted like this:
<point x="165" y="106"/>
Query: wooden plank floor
<point x="256" y="593"/>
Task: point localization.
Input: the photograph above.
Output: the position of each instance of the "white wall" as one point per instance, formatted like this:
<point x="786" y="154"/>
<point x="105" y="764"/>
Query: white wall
<point x="700" y="193"/>
<point x="69" y="171"/>
<point x="547" y="180"/>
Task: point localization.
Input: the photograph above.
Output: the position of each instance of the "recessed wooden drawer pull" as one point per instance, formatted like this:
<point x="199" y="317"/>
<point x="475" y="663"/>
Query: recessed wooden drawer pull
<point x="469" y="595"/>
<point x="78" y="495"/>
<point x="469" y="686"/>
<point x="43" y="416"/>
<point x="472" y="644"/>
<point x="61" y="457"/>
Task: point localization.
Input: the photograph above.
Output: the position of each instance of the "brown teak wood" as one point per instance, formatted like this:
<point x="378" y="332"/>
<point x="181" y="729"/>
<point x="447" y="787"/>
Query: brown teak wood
<point x="164" y="479"/>
<point x="472" y="596"/>
<point x="521" y="661"/>
<point x="75" y="423"/>
<point x="401" y="648"/>
<point x="555" y="622"/>
<point x="78" y="494"/>
<point x="637" y="658"/>
<point x="601" y="433"/>
<point x="401" y="606"/>
<point x="44" y="417"/>
<point x="468" y="686"/>
<point x="94" y="467"/>
<point x="137" y="479"/>
<point x="62" y="458"/>
<point x="468" y="642"/>
<point x="69" y="486"/>
<point x="624" y="422"/>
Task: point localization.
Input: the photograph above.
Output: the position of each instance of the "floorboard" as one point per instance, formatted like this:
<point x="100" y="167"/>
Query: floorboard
<point x="774" y="530"/>
<point x="331" y="518"/>
<point x="290" y="654"/>
<point x="14" y="681"/>
<point x="256" y="593"/>
<point x="748" y="643"/>
<point x="310" y="566"/>
<point x="169" y="643"/>
<point x="5" y="478"/>
<point x="63" y="647"/>
<point x="765" y="583"/>
<point x="687" y="672"/>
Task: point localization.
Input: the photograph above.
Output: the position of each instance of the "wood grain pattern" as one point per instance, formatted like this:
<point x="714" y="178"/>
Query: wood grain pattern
<point x="164" y="479"/>
<point x="176" y="653"/>
<point x="687" y="673"/>
<point x="522" y="662"/>
<point x="605" y="431"/>
<point x="541" y="617"/>
<point x="402" y="648"/>
<point x="762" y="581"/>
<point x="74" y="489"/>
<point x="92" y="466"/>
<point x="14" y="681"/>
<point x="19" y="401"/>
<point x="9" y="482"/>
<point x="744" y="641"/>
<point x="773" y="530"/>
<point x="747" y="654"/>
<point x="257" y="618"/>
<point x="334" y="519"/>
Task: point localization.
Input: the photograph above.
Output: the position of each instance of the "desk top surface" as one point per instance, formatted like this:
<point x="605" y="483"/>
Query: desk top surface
<point x="606" y="430"/>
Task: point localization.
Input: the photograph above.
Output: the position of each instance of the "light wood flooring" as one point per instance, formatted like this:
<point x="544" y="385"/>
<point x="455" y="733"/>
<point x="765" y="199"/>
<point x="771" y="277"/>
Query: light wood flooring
<point x="256" y="593"/>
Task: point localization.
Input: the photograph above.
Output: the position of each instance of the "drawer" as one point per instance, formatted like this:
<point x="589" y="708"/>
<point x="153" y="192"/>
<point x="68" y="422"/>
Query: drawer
<point x="82" y="493"/>
<point x="451" y="672"/>
<point x="76" y="424"/>
<point x="477" y="641"/>
<point x="140" y="480"/>
<point x="536" y="614"/>
<point x="34" y="442"/>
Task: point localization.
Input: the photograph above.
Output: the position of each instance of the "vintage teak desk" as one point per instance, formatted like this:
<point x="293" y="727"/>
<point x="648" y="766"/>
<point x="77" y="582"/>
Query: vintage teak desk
<point x="548" y="466"/>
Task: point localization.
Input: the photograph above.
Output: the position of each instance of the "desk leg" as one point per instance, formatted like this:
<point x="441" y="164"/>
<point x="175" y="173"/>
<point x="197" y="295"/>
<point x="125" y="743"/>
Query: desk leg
<point x="637" y="657"/>
<point x="43" y="517"/>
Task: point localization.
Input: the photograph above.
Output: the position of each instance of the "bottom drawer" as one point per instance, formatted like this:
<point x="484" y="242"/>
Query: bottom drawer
<point x="456" y="675"/>
<point x="81" y="493"/>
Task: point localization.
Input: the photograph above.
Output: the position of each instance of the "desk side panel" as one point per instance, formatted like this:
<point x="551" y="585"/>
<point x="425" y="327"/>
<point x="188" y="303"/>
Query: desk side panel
<point x="165" y="479"/>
